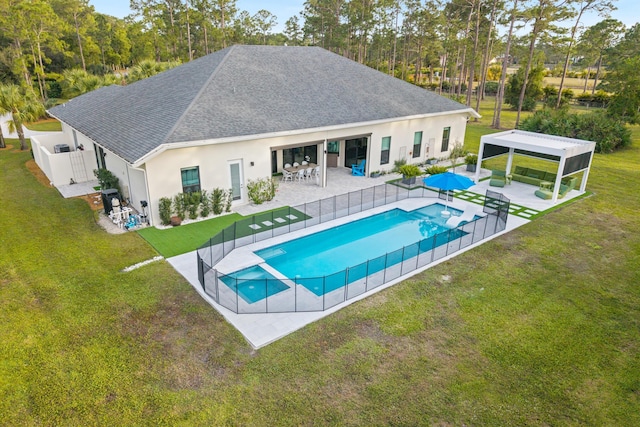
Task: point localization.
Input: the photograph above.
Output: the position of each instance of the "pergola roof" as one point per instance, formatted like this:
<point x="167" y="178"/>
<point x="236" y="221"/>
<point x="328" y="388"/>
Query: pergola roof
<point x="572" y="155"/>
<point x="532" y="142"/>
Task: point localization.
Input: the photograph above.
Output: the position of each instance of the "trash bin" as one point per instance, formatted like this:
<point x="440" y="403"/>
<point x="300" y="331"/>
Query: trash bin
<point x="108" y="195"/>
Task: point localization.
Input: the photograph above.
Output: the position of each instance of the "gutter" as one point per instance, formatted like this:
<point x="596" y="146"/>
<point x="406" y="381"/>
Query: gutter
<point x="177" y="145"/>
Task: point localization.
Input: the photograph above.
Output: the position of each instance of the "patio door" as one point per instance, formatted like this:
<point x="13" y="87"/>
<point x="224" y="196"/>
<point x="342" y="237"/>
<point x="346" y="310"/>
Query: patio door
<point x="355" y="150"/>
<point x="235" y="174"/>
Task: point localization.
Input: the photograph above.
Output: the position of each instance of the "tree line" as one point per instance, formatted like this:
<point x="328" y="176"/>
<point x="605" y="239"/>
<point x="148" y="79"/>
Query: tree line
<point x="62" y="48"/>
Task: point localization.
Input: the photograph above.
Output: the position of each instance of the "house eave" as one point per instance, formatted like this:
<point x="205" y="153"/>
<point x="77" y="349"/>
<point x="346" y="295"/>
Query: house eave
<point x="242" y="138"/>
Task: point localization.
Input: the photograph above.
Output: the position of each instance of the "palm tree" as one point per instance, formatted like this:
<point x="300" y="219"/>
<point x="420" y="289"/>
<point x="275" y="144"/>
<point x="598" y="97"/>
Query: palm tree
<point x="23" y="106"/>
<point x="2" y="142"/>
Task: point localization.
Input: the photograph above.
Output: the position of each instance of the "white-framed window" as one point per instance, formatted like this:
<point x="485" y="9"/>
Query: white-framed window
<point x="446" y="133"/>
<point x="417" y="144"/>
<point x="385" y="149"/>
<point x="190" y="179"/>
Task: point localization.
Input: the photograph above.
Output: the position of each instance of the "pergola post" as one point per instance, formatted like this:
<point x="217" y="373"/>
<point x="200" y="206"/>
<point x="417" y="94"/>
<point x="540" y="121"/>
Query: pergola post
<point x="476" y="178"/>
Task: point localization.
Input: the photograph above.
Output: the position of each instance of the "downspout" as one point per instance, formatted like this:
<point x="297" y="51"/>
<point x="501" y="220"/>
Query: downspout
<point x="324" y="164"/>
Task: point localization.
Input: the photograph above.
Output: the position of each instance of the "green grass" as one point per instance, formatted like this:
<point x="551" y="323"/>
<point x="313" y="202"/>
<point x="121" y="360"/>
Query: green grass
<point x="46" y="125"/>
<point x="189" y="237"/>
<point x="186" y="238"/>
<point x="537" y="327"/>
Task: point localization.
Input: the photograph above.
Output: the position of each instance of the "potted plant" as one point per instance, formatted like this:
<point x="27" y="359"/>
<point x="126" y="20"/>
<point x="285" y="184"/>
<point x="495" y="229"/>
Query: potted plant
<point x="375" y="174"/>
<point x="432" y="161"/>
<point x="472" y="161"/>
<point x="409" y="173"/>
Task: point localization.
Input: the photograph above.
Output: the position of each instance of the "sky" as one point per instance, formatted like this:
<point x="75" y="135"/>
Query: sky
<point x="628" y="11"/>
<point x="283" y="9"/>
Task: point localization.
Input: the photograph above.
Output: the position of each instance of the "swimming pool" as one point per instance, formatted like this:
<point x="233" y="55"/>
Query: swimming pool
<point x="251" y="285"/>
<point x="319" y="261"/>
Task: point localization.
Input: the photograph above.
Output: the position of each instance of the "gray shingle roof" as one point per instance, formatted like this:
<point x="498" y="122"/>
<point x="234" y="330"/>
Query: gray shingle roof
<point x="244" y="90"/>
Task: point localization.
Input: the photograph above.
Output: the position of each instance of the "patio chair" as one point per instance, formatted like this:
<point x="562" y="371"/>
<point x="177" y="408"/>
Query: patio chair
<point x="287" y="176"/>
<point x="308" y="173"/>
<point x="296" y="164"/>
<point x="498" y="178"/>
<point x="287" y="165"/>
<point x="300" y="175"/>
<point x="304" y="163"/>
<point x="358" y="170"/>
<point x="564" y="189"/>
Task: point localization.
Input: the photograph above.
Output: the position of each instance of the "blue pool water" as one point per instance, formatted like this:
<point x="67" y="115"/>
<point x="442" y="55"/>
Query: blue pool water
<point x="251" y="283"/>
<point x="330" y="252"/>
<point x="319" y="261"/>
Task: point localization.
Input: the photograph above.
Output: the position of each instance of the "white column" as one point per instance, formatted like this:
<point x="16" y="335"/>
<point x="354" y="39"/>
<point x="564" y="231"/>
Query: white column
<point x="476" y="178"/>
<point x="323" y="168"/>
<point x="509" y="161"/>
<point x="556" y="186"/>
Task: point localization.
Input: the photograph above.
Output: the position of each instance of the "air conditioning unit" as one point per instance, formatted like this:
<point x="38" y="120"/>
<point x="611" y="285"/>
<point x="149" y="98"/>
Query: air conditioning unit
<point x="61" y="148"/>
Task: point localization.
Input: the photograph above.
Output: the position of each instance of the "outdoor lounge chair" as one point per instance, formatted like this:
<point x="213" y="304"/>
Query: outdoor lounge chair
<point x="564" y="189"/>
<point x="466" y="216"/>
<point x="498" y="178"/>
<point x="358" y="170"/>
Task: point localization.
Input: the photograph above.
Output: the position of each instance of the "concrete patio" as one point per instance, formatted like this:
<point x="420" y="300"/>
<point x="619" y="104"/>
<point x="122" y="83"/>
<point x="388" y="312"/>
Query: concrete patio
<point x="340" y="181"/>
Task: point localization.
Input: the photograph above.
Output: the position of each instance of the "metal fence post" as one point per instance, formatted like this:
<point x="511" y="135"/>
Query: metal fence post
<point x="384" y="273"/>
<point x="215" y="285"/>
<point x="346" y="283"/>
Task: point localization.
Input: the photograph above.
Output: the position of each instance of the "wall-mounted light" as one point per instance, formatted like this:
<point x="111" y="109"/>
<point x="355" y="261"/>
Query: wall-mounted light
<point x="251" y="163"/>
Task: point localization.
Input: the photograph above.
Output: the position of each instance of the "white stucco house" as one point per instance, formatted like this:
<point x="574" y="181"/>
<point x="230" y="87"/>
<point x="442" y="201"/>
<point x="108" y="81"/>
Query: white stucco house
<point x="242" y="113"/>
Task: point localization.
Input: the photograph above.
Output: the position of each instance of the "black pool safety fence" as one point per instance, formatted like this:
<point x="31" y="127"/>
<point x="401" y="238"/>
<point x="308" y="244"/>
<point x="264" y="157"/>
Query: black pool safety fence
<point x="270" y="294"/>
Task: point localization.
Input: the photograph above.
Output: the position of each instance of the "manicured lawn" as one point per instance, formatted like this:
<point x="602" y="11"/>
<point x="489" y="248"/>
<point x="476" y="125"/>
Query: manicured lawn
<point x="186" y="238"/>
<point x="46" y="125"/>
<point x="537" y="327"/>
<point x="189" y="237"/>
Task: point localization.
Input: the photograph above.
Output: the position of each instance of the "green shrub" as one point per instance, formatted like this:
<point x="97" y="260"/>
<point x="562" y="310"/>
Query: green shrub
<point x="180" y="205"/>
<point x="218" y="200"/>
<point x="164" y="209"/>
<point x="205" y="204"/>
<point x="261" y="190"/>
<point x="435" y="169"/>
<point x="409" y="171"/>
<point x="491" y="88"/>
<point x="608" y="133"/>
<point x="471" y="159"/>
<point x="228" y="200"/>
<point x="107" y="179"/>
<point x="397" y="164"/>
<point x="193" y="203"/>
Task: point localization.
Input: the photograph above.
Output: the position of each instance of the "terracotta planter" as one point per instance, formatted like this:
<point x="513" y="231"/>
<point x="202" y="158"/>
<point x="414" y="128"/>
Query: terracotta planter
<point x="176" y="221"/>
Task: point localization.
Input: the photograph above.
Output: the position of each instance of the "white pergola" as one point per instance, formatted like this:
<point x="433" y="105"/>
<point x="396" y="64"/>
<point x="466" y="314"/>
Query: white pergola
<point x="573" y="155"/>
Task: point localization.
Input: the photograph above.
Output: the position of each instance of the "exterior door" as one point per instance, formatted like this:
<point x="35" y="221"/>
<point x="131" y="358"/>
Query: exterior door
<point x="355" y="150"/>
<point x="235" y="173"/>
